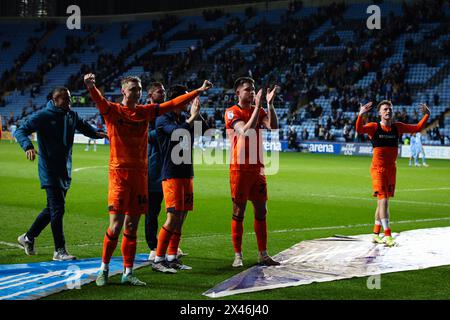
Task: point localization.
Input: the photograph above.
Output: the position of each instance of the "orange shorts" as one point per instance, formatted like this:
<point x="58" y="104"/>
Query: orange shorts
<point x="128" y="193"/>
<point x="383" y="181"/>
<point x="248" y="185"/>
<point x="178" y="194"/>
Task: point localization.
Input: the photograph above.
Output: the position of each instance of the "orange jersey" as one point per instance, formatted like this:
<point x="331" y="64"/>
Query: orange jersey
<point x="247" y="152"/>
<point x="128" y="128"/>
<point x="387" y="156"/>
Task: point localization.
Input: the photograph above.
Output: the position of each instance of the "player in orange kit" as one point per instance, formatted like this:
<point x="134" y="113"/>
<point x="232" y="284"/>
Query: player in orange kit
<point x="247" y="179"/>
<point x="384" y="136"/>
<point x="127" y="125"/>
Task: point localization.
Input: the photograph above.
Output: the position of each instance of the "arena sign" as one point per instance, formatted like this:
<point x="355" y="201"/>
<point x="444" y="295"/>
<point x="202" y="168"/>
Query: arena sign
<point x="322" y="147"/>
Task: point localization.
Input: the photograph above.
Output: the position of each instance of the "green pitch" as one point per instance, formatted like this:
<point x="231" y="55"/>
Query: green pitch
<point x="312" y="196"/>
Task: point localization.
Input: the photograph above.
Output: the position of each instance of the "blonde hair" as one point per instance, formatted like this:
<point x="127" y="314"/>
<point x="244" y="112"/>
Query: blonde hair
<point x="128" y="79"/>
<point x="388" y="102"/>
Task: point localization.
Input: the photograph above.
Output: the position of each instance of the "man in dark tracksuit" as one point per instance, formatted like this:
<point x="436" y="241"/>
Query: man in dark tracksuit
<point x="55" y="126"/>
<point x="156" y="94"/>
<point x="155" y="193"/>
<point x="177" y="180"/>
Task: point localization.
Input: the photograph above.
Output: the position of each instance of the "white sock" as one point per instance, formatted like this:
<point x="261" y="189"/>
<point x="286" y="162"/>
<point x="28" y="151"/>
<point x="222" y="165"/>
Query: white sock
<point x="159" y="259"/>
<point x="385" y="223"/>
<point x="171" y="257"/>
<point x="128" y="271"/>
<point x="104" y="266"/>
<point x="378" y="222"/>
<point x="263" y="254"/>
<point x="238" y="254"/>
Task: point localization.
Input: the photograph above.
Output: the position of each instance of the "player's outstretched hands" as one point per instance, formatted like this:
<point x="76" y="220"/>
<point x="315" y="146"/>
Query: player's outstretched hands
<point x="31" y="154"/>
<point x="270" y="95"/>
<point x="365" y="108"/>
<point x="89" y="80"/>
<point x="258" y="98"/>
<point x="195" y="108"/>
<point x="424" y="108"/>
<point x="206" y="86"/>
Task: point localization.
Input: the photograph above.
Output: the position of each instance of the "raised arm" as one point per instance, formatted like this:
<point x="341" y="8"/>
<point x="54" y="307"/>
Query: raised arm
<point x="100" y="102"/>
<point x="179" y="101"/>
<point x="271" y="120"/>
<point x="369" y="128"/>
<point x="89" y="131"/>
<point x="412" y="128"/>
<point x="243" y="128"/>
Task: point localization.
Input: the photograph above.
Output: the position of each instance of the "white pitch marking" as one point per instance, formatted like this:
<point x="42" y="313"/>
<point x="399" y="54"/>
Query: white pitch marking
<point x="423" y="189"/>
<point x="9" y="244"/>
<point x="194" y="237"/>
<point x="86" y="168"/>
<point x="372" y="199"/>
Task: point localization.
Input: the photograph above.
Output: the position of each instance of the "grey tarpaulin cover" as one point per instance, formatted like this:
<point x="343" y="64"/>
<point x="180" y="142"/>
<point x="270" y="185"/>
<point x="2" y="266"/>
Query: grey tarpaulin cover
<point x="341" y="257"/>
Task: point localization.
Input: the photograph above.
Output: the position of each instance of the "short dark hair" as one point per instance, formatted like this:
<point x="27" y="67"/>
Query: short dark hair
<point x="152" y="86"/>
<point x="58" y="90"/>
<point x="388" y="102"/>
<point x="176" y="91"/>
<point x="242" y="80"/>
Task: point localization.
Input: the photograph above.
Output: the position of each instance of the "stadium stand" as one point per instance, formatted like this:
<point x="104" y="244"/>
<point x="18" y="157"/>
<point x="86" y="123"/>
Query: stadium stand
<point x="324" y="58"/>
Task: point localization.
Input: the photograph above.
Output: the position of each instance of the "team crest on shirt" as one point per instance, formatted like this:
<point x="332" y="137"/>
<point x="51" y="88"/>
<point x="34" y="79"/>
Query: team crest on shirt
<point x="230" y="115"/>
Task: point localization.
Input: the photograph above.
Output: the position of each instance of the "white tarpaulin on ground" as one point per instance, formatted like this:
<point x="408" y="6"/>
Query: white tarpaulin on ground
<point x="342" y="257"/>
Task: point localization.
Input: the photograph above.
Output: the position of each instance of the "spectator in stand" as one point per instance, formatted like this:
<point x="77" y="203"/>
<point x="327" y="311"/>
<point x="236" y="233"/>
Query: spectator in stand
<point x="305" y="134"/>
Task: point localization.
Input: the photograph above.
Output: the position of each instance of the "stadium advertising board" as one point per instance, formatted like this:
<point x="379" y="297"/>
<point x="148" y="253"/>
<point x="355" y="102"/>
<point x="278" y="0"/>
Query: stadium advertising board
<point x="225" y="144"/>
<point x="321" y="147"/>
<point x="431" y="152"/>
<point x="348" y="149"/>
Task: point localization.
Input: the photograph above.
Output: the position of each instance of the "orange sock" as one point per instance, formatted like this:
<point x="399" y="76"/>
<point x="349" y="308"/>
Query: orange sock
<point x="163" y="241"/>
<point x="261" y="234"/>
<point x="128" y="249"/>
<point x="387" y="232"/>
<point x="377" y="228"/>
<point x="173" y="243"/>
<point x="237" y="230"/>
<point x="109" y="245"/>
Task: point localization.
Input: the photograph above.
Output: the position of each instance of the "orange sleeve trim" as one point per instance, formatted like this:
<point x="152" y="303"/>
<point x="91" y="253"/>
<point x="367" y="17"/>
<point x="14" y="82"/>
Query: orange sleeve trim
<point x="177" y="102"/>
<point x="369" y="128"/>
<point x="100" y="101"/>
<point x="412" y="128"/>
